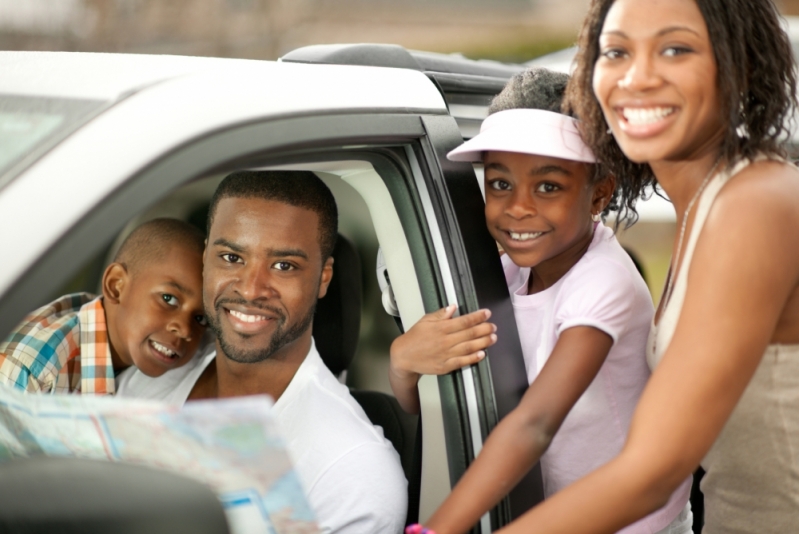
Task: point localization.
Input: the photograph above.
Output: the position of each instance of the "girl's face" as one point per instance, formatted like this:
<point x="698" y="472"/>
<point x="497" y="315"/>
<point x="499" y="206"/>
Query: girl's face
<point x="655" y="80"/>
<point x="539" y="208"/>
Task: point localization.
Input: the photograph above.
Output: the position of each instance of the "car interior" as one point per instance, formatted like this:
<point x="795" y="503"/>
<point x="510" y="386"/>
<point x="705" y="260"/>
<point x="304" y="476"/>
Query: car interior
<point x="366" y="213"/>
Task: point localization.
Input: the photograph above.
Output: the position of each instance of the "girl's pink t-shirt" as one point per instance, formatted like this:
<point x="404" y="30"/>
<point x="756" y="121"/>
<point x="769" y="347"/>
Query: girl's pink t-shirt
<point x="605" y="291"/>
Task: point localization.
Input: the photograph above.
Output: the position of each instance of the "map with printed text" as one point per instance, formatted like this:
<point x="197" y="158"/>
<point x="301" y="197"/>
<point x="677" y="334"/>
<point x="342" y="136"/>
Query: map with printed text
<point x="231" y="445"/>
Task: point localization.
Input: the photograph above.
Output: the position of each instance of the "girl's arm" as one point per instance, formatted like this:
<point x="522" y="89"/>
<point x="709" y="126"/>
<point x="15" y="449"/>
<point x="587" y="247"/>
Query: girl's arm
<point x="436" y="345"/>
<point x="744" y="270"/>
<point x="521" y="438"/>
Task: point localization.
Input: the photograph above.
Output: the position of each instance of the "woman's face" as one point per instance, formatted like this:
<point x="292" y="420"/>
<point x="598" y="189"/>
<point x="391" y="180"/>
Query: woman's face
<point x="655" y="80"/>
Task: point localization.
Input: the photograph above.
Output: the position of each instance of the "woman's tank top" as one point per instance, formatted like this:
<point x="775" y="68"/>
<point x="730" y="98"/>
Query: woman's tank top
<point x="752" y="480"/>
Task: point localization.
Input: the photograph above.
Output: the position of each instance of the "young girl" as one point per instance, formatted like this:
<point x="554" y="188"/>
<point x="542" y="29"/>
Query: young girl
<point x="581" y="308"/>
<point x="695" y="95"/>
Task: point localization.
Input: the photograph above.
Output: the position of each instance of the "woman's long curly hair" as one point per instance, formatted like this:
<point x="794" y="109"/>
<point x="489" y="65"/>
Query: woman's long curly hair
<point x="758" y="94"/>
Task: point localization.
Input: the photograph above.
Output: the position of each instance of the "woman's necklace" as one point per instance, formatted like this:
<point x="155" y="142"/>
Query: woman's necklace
<point x="670" y="282"/>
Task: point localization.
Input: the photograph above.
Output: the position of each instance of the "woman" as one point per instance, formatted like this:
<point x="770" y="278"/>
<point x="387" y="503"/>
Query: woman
<point x="692" y="95"/>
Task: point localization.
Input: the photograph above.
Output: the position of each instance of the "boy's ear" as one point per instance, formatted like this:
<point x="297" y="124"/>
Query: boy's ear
<point x="115" y="279"/>
<point x="603" y="193"/>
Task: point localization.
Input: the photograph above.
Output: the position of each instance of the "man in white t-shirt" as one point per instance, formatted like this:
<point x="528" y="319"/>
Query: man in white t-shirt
<point x="267" y="260"/>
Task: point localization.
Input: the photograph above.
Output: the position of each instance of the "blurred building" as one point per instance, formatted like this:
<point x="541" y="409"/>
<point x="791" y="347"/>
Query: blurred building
<point x="267" y="28"/>
<point x="789" y="7"/>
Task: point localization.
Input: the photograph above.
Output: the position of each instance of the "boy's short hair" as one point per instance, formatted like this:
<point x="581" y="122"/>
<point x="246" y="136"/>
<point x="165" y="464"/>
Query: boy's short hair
<point x="302" y="189"/>
<point x="152" y="241"/>
<point x="534" y="88"/>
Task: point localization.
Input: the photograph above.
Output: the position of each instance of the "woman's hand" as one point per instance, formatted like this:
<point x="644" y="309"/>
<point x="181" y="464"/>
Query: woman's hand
<point x="437" y="344"/>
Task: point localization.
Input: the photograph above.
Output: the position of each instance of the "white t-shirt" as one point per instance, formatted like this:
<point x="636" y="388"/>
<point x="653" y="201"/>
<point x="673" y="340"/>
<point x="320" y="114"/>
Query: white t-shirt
<point x="351" y="474"/>
<point x="605" y="291"/>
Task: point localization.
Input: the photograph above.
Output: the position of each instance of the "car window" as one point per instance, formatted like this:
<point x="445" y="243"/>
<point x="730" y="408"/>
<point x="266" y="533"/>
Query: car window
<point x="31" y="125"/>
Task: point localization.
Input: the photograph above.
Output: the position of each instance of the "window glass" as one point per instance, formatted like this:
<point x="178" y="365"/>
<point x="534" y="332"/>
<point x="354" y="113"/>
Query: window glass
<point x="29" y="126"/>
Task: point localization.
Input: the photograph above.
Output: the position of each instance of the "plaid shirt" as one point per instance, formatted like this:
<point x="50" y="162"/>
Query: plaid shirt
<point x="60" y="348"/>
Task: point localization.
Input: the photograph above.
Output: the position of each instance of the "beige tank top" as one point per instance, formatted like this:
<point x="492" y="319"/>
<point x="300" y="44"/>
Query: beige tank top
<point x="752" y="480"/>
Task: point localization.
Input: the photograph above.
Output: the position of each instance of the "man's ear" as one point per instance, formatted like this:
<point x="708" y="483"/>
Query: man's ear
<point x="327" y="276"/>
<point x="115" y="278"/>
<point x="603" y="193"/>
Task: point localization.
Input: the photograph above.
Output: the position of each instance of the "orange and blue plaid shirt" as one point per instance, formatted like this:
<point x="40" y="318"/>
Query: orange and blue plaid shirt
<point x="61" y="348"/>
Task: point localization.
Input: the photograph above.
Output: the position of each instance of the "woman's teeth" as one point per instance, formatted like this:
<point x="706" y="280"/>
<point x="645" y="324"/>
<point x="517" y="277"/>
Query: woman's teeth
<point x="246" y="318"/>
<point x="169" y="353"/>
<point x="640" y="116"/>
<point x="525" y="236"/>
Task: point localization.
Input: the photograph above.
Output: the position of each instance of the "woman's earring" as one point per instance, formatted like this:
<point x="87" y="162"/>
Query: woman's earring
<point x="596" y="217"/>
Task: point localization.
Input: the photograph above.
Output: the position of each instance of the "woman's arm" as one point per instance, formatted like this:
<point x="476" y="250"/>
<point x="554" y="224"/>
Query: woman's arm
<point x="525" y="434"/>
<point x="436" y="345"/>
<point x="745" y="267"/>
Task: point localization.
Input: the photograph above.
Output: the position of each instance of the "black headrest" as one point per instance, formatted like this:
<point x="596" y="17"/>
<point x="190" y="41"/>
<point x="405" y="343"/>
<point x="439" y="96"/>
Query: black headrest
<point x="337" y="322"/>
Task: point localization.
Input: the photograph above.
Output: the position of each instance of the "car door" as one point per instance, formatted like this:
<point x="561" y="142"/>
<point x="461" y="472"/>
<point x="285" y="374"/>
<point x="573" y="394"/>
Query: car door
<point x="475" y="398"/>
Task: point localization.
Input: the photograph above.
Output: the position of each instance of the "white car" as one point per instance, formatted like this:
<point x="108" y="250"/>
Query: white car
<point x="91" y="144"/>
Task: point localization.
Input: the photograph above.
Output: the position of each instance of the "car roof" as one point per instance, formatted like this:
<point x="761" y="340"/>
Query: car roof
<point x="108" y="77"/>
<point x="158" y="103"/>
<point x="96" y="76"/>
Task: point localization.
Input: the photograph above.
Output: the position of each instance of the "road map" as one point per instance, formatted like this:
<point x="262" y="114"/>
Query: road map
<point x="231" y="445"/>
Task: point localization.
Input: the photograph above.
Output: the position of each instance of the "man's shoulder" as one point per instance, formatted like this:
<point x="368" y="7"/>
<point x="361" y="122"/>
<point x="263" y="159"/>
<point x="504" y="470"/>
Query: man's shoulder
<point x="320" y="397"/>
<point x="351" y="472"/>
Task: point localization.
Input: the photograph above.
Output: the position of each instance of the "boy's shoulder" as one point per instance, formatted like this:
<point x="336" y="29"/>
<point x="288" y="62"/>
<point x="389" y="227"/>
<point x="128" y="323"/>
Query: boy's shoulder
<point x="47" y="338"/>
<point x="53" y="315"/>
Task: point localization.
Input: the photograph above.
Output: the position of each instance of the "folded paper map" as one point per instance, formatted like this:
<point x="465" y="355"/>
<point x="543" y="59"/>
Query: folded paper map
<point x="231" y="445"/>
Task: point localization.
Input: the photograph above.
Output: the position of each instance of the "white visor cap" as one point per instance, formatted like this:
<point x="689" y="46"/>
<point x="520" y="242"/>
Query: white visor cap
<point x="526" y="131"/>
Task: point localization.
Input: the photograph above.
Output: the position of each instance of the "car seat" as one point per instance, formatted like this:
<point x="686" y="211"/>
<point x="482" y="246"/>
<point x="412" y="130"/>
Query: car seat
<point x="336" y="327"/>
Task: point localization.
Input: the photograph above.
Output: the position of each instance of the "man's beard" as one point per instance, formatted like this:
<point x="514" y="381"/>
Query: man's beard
<point x="282" y="336"/>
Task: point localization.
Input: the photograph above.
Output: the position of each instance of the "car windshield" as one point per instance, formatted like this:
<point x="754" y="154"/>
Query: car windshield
<point x="29" y="126"/>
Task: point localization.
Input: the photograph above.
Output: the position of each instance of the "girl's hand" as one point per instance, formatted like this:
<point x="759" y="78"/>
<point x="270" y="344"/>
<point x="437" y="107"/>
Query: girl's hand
<point x="438" y="344"/>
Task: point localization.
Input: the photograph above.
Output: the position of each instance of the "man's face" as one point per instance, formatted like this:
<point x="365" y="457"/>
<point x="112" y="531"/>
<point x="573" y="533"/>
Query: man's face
<point x="262" y="276"/>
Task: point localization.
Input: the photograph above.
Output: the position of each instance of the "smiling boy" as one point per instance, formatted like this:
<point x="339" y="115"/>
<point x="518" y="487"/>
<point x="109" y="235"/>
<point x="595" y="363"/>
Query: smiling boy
<point x="150" y="315"/>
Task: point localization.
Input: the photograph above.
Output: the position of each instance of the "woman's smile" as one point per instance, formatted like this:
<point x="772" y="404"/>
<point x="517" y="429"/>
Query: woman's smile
<point x="643" y="122"/>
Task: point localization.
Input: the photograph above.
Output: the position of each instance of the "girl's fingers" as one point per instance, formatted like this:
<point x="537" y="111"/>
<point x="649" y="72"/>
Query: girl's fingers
<point x="442" y="314"/>
<point x="467" y="321"/>
<point x="472" y="346"/>
<point x="454" y="364"/>
<point x="475" y="332"/>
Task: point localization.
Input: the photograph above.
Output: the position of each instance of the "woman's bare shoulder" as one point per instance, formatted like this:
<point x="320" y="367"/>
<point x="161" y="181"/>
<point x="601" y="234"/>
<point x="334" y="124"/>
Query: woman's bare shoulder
<point x="766" y="186"/>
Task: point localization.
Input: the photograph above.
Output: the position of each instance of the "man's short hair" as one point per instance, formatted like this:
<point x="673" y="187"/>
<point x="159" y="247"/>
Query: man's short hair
<point x="154" y="239"/>
<point x="302" y="189"/>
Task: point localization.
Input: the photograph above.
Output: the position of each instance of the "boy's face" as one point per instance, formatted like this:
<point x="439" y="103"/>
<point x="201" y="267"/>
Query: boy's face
<point x="160" y="318"/>
<point x="538" y="207"/>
